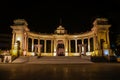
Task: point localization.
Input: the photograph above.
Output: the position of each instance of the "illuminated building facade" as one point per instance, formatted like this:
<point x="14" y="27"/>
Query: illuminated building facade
<point x="95" y="42"/>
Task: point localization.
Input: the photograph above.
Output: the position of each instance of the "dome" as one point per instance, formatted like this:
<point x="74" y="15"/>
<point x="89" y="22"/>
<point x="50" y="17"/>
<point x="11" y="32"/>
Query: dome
<point x="60" y="28"/>
<point x="20" y="22"/>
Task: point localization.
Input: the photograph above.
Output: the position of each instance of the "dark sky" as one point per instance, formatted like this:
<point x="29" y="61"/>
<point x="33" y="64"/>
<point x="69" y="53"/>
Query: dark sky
<point x="44" y="16"/>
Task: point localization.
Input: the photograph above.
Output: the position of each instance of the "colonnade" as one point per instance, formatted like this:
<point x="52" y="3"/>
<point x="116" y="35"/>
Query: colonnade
<point x="80" y="47"/>
<point x="75" y="43"/>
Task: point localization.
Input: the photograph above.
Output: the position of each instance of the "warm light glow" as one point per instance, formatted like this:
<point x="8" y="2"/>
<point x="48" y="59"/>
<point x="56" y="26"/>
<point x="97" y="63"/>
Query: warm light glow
<point x="18" y="38"/>
<point x="54" y="54"/>
<point x="14" y="52"/>
<point x="33" y="54"/>
<point x="66" y="50"/>
<point x="66" y="54"/>
<point x="88" y="53"/>
<point x="93" y="53"/>
<point x="75" y="36"/>
<point x="74" y="54"/>
<point x="15" y="46"/>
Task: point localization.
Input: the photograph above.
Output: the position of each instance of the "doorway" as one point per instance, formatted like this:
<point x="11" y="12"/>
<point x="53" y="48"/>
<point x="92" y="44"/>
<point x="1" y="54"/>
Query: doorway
<point x="60" y="49"/>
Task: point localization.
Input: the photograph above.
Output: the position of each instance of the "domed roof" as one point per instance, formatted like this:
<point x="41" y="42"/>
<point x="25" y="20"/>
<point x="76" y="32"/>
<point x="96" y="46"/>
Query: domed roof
<point x="60" y="28"/>
<point x="20" y="22"/>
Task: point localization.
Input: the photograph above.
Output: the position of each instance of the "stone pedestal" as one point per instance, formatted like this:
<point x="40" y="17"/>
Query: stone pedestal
<point x="7" y="59"/>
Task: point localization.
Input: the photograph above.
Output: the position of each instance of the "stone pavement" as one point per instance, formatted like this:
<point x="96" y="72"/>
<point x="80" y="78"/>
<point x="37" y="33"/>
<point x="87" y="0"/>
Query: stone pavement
<point x="52" y="60"/>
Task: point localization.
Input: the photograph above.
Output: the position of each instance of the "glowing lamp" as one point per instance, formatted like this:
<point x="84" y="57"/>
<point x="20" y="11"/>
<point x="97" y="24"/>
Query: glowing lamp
<point x="106" y="52"/>
<point x="18" y="39"/>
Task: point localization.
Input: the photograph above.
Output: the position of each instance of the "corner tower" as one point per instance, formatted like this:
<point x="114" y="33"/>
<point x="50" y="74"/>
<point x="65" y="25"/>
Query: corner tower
<point x="101" y="37"/>
<point x="19" y="32"/>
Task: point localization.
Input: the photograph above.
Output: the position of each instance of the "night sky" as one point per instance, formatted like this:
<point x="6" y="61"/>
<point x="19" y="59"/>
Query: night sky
<point x="44" y="16"/>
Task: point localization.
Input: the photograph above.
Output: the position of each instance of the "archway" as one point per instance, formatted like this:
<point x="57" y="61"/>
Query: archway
<point x="18" y="48"/>
<point x="60" y="48"/>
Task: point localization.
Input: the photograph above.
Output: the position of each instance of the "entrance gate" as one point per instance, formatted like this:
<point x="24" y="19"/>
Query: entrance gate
<point x="60" y="48"/>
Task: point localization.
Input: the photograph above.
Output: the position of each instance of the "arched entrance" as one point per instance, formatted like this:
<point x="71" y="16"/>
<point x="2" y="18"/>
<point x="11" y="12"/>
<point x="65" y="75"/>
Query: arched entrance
<point x="60" y="48"/>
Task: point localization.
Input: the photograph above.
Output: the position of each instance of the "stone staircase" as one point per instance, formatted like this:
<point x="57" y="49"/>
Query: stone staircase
<point x="52" y="60"/>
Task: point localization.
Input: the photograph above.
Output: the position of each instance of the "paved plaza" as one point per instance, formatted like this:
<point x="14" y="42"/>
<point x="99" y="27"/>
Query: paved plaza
<point x="58" y="68"/>
<point x="81" y="71"/>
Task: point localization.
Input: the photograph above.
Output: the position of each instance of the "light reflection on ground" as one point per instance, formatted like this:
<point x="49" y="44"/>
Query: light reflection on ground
<point x="95" y="71"/>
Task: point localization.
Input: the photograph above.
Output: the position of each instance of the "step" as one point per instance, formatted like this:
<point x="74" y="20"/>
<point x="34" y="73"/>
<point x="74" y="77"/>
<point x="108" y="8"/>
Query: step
<point x="51" y="59"/>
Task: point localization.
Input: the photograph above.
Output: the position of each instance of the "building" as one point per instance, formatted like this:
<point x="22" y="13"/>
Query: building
<point x="93" y="43"/>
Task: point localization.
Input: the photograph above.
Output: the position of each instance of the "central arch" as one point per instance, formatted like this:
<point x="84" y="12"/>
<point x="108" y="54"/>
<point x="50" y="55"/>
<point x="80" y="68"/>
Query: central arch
<point x="60" y="48"/>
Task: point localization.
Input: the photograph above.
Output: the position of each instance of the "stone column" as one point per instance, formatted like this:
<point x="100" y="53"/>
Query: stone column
<point x="88" y="44"/>
<point x="55" y="47"/>
<point x="85" y="49"/>
<point x="82" y="41"/>
<point x="108" y="41"/>
<point x="80" y="50"/>
<point x="38" y="45"/>
<point x="76" y="46"/>
<point x="82" y="46"/>
<point x="45" y="46"/>
<point x="40" y="49"/>
<point x="22" y="42"/>
<point x="13" y="40"/>
<point x="39" y="53"/>
<point x="94" y="42"/>
<point x="69" y="46"/>
<point x="27" y="44"/>
<point x="66" y="47"/>
<point x="32" y="44"/>
<point x="51" y="46"/>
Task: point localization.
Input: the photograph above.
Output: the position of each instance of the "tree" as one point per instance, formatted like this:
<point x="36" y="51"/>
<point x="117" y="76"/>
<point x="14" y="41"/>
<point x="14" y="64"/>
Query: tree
<point x="117" y="45"/>
<point x="118" y="40"/>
